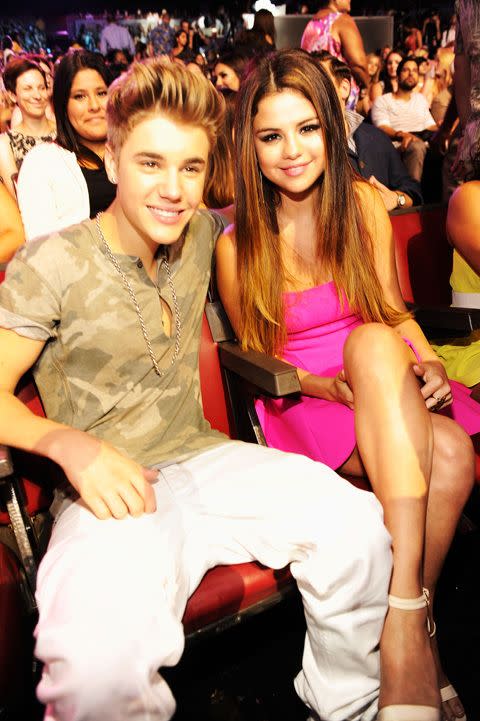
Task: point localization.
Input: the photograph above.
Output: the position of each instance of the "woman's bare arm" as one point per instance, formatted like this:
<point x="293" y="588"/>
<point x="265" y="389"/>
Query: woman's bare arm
<point x="12" y="235"/>
<point x="463" y="222"/>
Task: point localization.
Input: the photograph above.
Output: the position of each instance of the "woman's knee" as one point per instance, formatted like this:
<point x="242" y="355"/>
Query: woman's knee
<point x="454" y="456"/>
<point x="375" y="345"/>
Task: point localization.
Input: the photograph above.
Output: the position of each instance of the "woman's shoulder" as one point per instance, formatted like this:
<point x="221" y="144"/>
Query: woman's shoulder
<point x="465" y="200"/>
<point x="47" y="153"/>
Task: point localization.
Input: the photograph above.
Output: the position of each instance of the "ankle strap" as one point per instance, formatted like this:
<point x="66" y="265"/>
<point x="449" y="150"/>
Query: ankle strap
<point x="415" y="604"/>
<point x="408" y="604"/>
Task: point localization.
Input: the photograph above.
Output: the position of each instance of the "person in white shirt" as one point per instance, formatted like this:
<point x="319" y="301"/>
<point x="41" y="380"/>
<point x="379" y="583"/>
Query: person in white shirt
<point x="404" y="116"/>
<point x="115" y="37"/>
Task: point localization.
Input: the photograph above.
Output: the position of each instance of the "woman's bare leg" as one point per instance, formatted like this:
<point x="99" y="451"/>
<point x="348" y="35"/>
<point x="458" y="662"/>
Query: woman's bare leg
<point x="395" y="442"/>
<point x="451" y="483"/>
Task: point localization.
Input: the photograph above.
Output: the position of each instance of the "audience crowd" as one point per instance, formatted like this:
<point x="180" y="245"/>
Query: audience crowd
<point x="394" y="110"/>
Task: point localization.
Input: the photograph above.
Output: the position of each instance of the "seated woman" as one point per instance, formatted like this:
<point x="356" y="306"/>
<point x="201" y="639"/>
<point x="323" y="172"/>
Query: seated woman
<point x="308" y="274"/>
<point x="462" y="356"/>
<point x="11" y="228"/>
<point x="65" y="182"/>
<point x="26" y="84"/>
<point x="387" y="82"/>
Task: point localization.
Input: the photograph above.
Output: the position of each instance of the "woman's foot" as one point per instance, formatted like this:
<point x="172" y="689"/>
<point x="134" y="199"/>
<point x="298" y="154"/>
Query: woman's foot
<point x="452" y="709"/>
<point x="408" y="672"/>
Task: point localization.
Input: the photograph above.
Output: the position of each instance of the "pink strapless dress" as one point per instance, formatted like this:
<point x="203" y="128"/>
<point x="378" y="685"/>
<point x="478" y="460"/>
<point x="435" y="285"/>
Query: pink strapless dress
<point x="317" y="329"/>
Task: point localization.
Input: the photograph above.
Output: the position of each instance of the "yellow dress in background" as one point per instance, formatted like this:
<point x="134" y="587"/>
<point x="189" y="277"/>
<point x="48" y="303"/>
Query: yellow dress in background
<point x="462" y="355"/>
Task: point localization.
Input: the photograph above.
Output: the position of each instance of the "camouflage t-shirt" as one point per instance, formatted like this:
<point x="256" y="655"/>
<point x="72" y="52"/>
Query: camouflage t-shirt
<point x="95" y="372"/>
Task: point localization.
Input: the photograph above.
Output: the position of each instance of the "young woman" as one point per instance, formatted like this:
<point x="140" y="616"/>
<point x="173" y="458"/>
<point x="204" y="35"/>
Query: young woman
<point x="308" y="274"/>
<point x="229" y="69"/>
<point x="65" y="182"/>
<point x="374" y="67"/>
<point x="182" y="51"/>
<point x="26" y="84"/>
<point x="11" y="228"/>
<point x="388" y="77"/>
<point x="333" y="29"/>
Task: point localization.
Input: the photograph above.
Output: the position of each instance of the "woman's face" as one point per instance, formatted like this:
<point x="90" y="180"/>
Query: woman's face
<point x="86" y="105"/>
<point x="182" y="39"/>
<point x="31" y="94"/>
<point x="392" y="64"/>
<point x="289" y="142"/>
<point x="373" y="64"/>
<point x="226" y="77"/>
<point x="48" y="77"/>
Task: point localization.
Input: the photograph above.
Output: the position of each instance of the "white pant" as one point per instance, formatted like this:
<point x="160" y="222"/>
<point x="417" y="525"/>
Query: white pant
<point x="112" y="593"/>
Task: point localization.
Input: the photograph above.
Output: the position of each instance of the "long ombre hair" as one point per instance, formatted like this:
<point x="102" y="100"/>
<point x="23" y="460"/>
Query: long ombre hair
<point x="344" y="245"/>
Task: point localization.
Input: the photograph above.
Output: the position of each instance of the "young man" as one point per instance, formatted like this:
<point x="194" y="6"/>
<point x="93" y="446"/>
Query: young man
<point x="108" y="312"/>
<point x="371" y="152"/>
<point x="404" y="115"/>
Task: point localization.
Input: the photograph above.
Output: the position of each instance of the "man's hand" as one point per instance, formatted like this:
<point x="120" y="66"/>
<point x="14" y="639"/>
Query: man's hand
<point x="436" y="389"/>
<point x="109" y="483"/>
<point x="405" y="138"/>
<point x="389" y="197"/>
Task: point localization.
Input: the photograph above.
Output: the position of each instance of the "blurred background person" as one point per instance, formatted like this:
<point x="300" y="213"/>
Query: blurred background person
<point x="333" y="29"/>
<point x="229" y="69"/>
<point x="26" y="84"/>
<point x="115" y="37"/>
<point x="66" y="182"/>
<point x="388" y="82"/>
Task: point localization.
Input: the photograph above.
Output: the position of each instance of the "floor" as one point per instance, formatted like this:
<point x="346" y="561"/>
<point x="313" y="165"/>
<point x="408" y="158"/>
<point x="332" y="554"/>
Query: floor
<point x="246" y="673"/>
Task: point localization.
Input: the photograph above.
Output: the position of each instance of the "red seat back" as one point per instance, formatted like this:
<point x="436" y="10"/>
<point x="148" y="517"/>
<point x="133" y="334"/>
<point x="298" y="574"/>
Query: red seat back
<point x="211" y="381"/>
<point x="423" y="255"/>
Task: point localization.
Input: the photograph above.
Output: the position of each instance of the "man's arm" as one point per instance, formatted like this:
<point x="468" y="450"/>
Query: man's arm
<point x="109" y="484"/>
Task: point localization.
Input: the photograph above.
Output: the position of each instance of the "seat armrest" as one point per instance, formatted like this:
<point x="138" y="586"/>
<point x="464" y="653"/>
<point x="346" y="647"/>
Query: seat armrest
<point x="454" y="320"/>
<point x="271" y="375"/>
<point x="6" y="465"/>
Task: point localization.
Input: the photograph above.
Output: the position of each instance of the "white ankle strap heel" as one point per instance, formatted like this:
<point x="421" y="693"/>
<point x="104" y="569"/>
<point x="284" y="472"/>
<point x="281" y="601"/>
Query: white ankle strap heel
<point x="411" y="712"/>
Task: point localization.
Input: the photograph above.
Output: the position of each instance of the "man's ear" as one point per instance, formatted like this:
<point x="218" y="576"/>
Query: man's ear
<point x="110" y="161"/>
<point x="344" y="90"/>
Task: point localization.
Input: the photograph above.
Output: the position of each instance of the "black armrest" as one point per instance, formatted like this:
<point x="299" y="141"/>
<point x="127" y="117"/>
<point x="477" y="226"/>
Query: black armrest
<point x="460" y="321"/>
<point x="6" y="465"/>
<point x="271" y="376"/>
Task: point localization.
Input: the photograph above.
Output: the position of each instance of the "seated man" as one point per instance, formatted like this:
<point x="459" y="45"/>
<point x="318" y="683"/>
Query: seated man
<point x="153" y="496"/>
<point x="371" y="153"/>
<point x="405" y="117"/>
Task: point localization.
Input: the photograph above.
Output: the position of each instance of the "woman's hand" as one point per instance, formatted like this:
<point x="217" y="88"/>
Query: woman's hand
<point x="341" y="391"/>
<point x="436" y="389"/>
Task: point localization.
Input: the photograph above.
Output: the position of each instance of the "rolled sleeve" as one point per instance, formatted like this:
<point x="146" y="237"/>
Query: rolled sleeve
<point x="28" y="304"/>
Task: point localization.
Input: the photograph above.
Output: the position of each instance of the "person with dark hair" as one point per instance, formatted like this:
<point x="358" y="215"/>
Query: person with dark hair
<point x="264" y="24"/>
<point x="405" y="118"/>
<point x="387" y="82"/>
<point x="161" y="39"/>
<point x="229" y="69"/>
<point x="308" y="275"/>
<point x="371" y="153"/>
<point x="181" y="51"/>
<point x="25" y="83"/>
<point x="65" y="182"/>
<point x="108" y="315"/>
